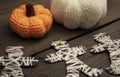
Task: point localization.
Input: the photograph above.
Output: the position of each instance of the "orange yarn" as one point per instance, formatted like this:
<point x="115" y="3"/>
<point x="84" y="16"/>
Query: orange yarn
<point x="34" y="26"/>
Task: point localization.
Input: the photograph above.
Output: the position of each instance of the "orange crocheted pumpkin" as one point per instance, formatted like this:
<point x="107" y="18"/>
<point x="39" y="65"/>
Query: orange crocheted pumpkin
<point x="31" y="21"/>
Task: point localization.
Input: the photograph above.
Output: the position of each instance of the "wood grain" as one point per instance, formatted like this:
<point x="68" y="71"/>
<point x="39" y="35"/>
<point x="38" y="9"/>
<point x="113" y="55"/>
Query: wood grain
<point x="100" y="60"/>
<point x="57" y="32"/>
<point x="8" y="38"/>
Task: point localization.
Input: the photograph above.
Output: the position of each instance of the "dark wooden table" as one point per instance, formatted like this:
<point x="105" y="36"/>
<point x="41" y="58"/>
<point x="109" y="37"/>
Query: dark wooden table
<point x="39" y="48"/>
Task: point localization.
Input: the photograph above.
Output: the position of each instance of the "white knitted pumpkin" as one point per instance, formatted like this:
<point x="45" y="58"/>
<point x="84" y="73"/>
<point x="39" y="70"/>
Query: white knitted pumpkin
<point x="78" y="13"/>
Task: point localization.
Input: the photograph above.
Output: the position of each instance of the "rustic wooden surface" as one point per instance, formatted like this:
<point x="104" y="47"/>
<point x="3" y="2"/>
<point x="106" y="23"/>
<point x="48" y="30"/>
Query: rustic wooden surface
<point x="110" y="24"/>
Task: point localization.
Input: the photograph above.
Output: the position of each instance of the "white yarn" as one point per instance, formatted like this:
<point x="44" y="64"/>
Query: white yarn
<point x="13" y="62"/>
<point x="69" y="56"/>
<point x="113" y="47"/>
<point x="78" y="13"/>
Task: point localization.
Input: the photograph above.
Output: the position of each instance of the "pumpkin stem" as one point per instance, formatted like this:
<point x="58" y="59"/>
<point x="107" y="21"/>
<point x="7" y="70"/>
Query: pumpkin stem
<point x="30" y="10"/>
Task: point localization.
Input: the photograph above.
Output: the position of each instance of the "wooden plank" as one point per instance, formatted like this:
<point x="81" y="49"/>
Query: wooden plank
<point x="99" y="60"/>
<point x="112" y="6"/>
<point x="32" y="45"/>
<point x="7" y="6"/>
<point x="112" y="12"/>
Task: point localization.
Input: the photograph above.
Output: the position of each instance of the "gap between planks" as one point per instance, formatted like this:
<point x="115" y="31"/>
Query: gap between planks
<point x="99" y="60"/>
<point x="80" y="35"/>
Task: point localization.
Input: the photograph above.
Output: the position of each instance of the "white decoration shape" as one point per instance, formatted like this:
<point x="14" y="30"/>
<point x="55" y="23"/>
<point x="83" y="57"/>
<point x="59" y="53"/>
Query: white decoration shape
<point x="69" y="55"/>
<point x="113" y="47"/>
<point x="13" y="62"/>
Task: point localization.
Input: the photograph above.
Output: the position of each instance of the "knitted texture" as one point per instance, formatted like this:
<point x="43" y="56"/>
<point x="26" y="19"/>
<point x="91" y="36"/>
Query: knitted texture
<point x="34" y="26"/>
<point x="78" y="13"/>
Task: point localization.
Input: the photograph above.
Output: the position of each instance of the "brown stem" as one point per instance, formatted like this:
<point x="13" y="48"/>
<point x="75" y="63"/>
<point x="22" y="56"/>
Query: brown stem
<point x="30" y="10"/>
